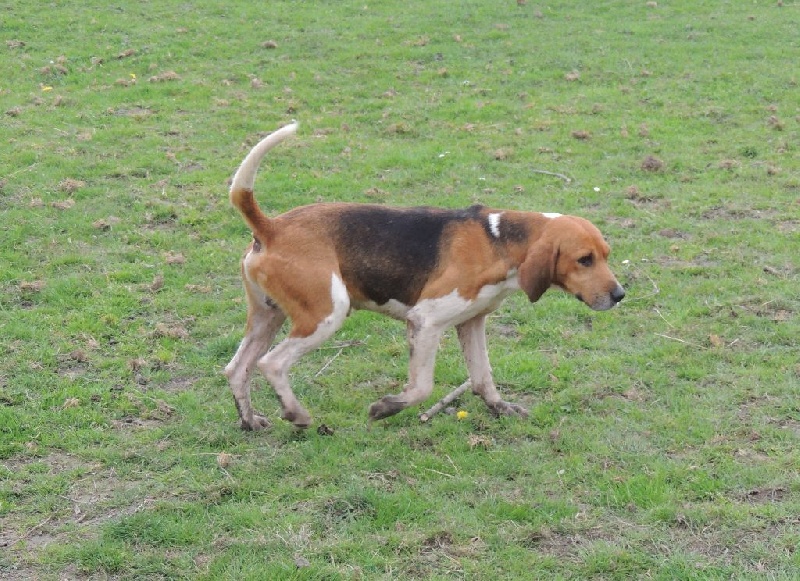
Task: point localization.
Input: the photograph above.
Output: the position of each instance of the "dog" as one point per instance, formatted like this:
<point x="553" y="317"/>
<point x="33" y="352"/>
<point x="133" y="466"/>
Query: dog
<point x="430" y="267"/>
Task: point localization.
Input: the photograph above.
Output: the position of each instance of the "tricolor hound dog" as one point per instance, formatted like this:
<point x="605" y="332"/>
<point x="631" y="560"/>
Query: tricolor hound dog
<point x="433" y="268"/>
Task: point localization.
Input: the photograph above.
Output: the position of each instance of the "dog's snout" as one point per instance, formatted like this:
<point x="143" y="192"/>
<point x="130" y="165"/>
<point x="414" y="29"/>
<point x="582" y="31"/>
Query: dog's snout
<point x="618" y="294"/>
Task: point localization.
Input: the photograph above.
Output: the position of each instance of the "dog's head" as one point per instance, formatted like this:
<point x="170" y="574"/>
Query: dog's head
<point x="571" y="254"/>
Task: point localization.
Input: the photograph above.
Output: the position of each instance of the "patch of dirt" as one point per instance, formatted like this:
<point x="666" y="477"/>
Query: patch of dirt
<point x="567" y="544"/>
<point x="788" y="226"/>
<point x="773" y="310"/>
<point x="672" y="233"/>
<point x="133" y="112"/>
<point x="164" y="77"/>
<point x="638" y="198"/>
<point x="440" y="553"/>
<point x="97" y="495"/>
<point x="441" y="540"/>
<point x="706" y="542"/>
<point x="387" y="480"/>
<point x="652" y="164"/>
<point x="423" y="443"/>
<point x="787" y="424"/>
<point x="56" y="462"/>
<point x="733" y="213"/>
<point x="507" y="330"/>
<point x="726" y="546"/>
<point x="703" y="260"/>
<point x="72" y="369"/>
<point x="177" y="384"/>
<point x="765" y="495"/>
<point x="348" y="509"/>
<point x="134" y="423"/>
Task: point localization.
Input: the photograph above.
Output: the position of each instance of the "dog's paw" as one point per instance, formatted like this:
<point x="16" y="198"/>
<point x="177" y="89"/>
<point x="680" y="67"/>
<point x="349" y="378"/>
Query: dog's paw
<point x="259" y="423"/>
<point x="385" y="407"/>
<point x="504" y="408"/>
<point x="300" y="418"/>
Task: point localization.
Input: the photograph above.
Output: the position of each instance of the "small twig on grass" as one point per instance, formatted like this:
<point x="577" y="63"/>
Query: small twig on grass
<point x="453" y="464"/>
<point x="552" y="173"/>
<point x="330" y="360"/>
<point x="450" y="397"/>
<point x="681" y="341"/>
<point x="228" y="474"/>
<point x="655" y="292"/>
<point x="664" y="318"/>
<point x="439" y="472"/>
<point x="29" y="532"/>
<point x="342" y="345"/>
<point x="22" y="169"/>
<point x="213" y="454"/>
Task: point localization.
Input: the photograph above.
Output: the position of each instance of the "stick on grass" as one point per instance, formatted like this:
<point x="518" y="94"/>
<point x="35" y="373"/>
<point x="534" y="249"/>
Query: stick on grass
<point x="449" y="398"/>
<point x="552" y="173"/>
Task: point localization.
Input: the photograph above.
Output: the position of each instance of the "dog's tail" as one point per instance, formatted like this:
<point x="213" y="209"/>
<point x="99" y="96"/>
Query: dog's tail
<point x="244" y="180"/>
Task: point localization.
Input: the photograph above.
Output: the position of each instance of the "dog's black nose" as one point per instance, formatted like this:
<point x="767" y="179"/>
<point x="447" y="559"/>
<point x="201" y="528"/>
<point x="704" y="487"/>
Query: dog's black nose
<point x="618" y="294"/>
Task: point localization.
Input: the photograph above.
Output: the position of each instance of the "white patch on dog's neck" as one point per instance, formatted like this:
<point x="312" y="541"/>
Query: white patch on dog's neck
<point x="551" y="215"/>
<point x="453" y="309"/>
<point x="494" y="224"/>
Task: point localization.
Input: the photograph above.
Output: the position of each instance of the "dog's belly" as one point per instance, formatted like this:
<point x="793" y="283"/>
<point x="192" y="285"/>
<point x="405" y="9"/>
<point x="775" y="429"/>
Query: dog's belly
<point x="392" y="308"/>
<point x="448" y="310"/>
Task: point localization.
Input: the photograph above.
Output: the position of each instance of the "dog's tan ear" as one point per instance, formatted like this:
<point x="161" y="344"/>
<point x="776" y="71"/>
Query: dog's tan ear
<point x="537" y="271"/>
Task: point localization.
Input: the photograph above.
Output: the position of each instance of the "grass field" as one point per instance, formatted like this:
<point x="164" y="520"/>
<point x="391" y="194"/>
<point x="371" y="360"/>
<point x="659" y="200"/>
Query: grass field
<point x="663" y="436"/>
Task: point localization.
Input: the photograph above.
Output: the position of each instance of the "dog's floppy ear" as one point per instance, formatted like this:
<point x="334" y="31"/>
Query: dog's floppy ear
<point x="537" y="271"/>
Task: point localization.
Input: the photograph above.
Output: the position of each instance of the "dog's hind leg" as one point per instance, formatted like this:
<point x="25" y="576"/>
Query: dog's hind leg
<point x="276" y="364"/>
<point x="263" y="323"/>
<point x="472" y="336"/>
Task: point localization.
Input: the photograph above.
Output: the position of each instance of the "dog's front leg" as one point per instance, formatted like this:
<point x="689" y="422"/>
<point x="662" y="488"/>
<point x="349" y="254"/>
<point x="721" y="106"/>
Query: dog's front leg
<point x="472" y="336"/>
<point x="423" y="342"/>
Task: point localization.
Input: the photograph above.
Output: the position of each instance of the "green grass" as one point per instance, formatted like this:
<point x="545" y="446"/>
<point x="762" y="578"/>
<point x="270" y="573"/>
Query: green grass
<point x="663" y="436"/>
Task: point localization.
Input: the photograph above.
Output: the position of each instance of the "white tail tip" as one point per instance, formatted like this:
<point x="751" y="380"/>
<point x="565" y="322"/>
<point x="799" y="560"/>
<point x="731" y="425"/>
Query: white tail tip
<point x="246" y="174"/>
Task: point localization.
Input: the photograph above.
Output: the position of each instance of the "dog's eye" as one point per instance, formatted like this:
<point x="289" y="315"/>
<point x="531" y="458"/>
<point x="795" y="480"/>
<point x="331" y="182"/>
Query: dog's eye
<point x="587" y="260"/>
